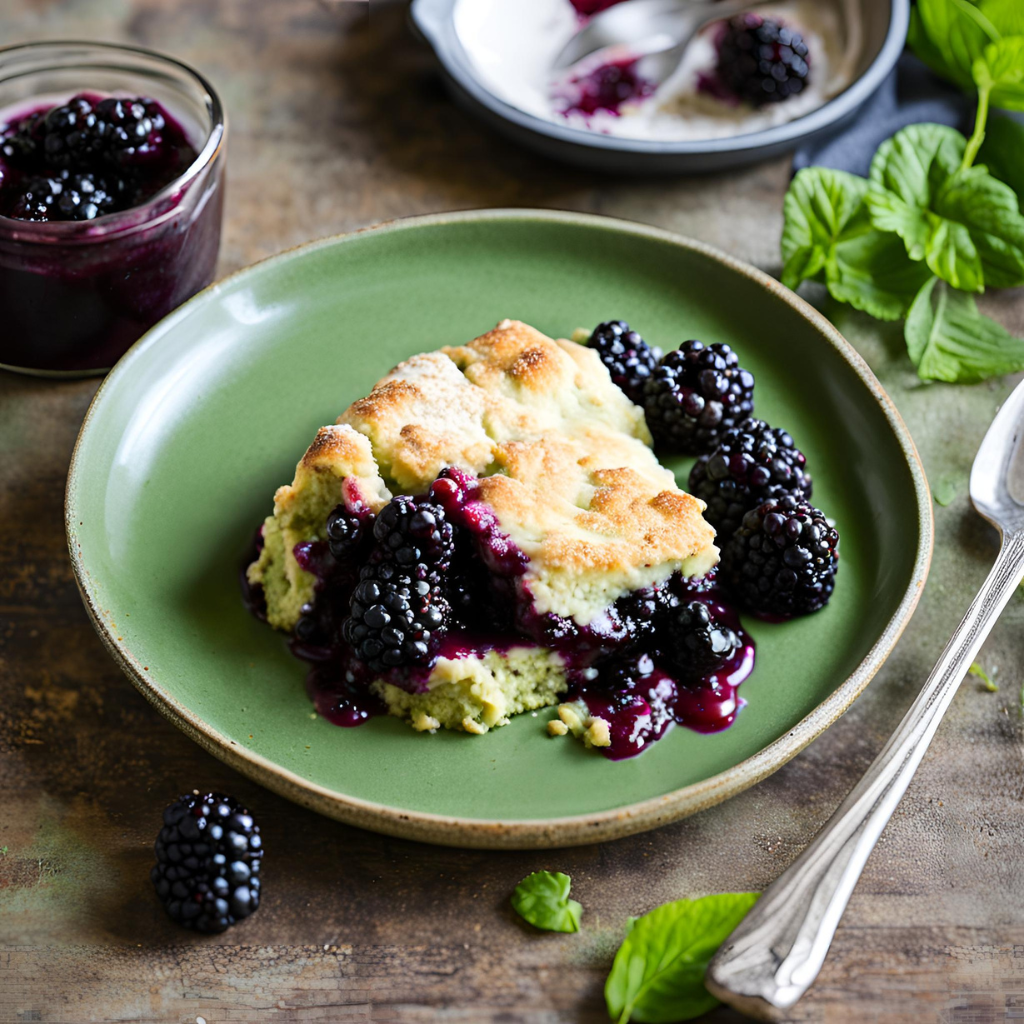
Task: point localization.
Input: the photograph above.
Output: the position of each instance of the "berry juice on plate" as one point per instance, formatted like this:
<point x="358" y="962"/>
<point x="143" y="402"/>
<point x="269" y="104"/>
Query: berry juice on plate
<point x="111" y="195"/>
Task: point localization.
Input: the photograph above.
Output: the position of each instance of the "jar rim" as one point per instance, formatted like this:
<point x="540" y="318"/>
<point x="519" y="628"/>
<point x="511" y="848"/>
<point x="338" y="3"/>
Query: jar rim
<point x="134" y="217"/>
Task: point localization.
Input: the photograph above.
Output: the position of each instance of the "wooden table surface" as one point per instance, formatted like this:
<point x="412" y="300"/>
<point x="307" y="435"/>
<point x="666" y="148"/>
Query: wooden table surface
<point x="339" y="120"/>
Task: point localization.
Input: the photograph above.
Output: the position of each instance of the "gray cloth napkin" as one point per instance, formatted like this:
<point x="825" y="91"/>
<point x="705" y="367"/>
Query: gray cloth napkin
<point x="910" y="94"/>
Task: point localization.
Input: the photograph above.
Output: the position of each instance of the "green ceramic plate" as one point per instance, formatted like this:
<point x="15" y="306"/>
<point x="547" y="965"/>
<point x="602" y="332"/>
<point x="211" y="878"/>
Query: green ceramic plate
<point x="195" y="427"/>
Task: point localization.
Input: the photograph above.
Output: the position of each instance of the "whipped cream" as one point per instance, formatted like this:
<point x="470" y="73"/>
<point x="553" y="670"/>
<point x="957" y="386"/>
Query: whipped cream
<point x="512" y="46"/>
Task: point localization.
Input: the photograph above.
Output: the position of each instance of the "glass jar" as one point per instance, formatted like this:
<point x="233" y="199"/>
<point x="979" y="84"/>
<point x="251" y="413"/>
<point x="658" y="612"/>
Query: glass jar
<point x="74" y="295"/>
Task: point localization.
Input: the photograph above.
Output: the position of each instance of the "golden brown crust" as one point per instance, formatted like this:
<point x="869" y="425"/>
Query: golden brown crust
<point x="562" y="455"/>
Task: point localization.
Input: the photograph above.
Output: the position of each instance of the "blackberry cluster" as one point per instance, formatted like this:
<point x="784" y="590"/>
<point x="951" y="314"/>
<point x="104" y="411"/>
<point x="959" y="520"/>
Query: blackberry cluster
<point x="411" y="532"/>
<point x="87" y="158"/>
<point x="348" y="533"/>
<point x="395" y="619"/>
<point x="752" y="463"/>
<point x="108" y="133"/>
<point x="783" y="558"/>
<point x="761" y="61"/>
<point x="695" y="395"/>
<point x="208" y="856"/>
<point x="66" y="196"/>
<point x="697" y="643"/>
<point x="629" y="359"/>
<point x="399" y="610"/>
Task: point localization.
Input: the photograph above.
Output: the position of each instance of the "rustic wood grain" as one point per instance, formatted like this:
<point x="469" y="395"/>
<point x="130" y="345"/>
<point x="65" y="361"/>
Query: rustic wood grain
<point x="338" y="120"/>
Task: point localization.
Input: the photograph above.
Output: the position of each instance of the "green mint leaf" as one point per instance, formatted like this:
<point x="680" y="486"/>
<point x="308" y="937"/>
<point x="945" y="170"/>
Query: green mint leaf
<point x="658" y="973"/>
<point x="1000" y="69"/>
<point x="1007" y="16"/>
<point x="916" y="160"/>
<point x="949" y="340"/>
<point x="986" y="681"/>
<point x="964" y="223"/>
<point x="828" y="236"/>
<point x="542" y="899"/>
<point x="949" y="36"/>
<point x="946" y="488"/>
<point x="989" y="212"/>
<point x="822" y="208"/>
<point x="1001" y="151"/>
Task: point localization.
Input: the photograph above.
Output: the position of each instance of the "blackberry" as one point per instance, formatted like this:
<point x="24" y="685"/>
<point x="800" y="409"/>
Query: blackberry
<point x="113" y="132"/>
<point x="64" y="196"/>
<point x="783" y="558"/>
<point x="761" y="61"/>
<point x="639" y="610"/>
<point x="130" y="129"/>
<point x="395" y="619"/>
<point x="697" y="644"/>
<point x="629" y="359"/>
<point x="753" y="462"/>
<point x="208" y="857"/>
<point x="687" y="587"/>
<point x="412" y="532"/>
<point x="21" y="140"/>
<point x="347" y="533"/>
<point x="695" y="395"/>
<point x="622" y="680"/>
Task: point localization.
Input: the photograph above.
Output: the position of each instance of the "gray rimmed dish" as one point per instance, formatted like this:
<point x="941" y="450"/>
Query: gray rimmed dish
<point x="188" y="436"/>
<point x="885" y="24"/>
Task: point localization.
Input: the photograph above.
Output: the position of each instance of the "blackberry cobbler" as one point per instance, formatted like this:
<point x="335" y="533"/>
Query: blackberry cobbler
<point x="490" y="532"/>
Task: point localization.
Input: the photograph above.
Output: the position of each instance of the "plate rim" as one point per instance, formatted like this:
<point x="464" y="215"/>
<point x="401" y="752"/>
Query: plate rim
<point x="435" y="21"/>
<point x="452" y="830"/>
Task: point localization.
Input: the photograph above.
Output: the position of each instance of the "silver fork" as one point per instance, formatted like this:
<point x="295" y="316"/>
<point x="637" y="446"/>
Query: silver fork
<point x="658" y="31"/>
<point x="775" y="954"/>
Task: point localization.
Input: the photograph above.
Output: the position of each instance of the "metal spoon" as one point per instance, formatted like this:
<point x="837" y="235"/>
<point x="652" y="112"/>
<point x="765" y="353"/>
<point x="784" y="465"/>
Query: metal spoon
<point x="658" y="30"/>
<point x="773" y="957"/>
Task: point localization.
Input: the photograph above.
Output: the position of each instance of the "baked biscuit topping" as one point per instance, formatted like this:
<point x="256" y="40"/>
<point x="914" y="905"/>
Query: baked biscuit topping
<point x="562" y="457"/>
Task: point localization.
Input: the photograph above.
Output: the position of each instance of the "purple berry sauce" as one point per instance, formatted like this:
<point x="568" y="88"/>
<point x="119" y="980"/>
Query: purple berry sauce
<point x="640" y="695"/>
<point x="588" y="8"/>
<point x="93" y="248"/>
<point x="607" y="88"/>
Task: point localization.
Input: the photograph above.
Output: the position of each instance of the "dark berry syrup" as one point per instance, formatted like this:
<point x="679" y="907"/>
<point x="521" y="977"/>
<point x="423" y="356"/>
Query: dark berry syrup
<point x="93" y="249"/>
<point x="588" y="8"/>
<point x="608" y="87"/>
<point x="640" y="705"/>
<point x="616" y="663"/>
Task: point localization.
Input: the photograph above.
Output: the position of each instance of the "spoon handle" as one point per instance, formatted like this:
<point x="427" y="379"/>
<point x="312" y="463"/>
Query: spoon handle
<point x="775" y="954"/>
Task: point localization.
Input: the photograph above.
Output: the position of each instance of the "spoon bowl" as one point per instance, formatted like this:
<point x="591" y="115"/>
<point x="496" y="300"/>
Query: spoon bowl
<point x="776" y="952"/>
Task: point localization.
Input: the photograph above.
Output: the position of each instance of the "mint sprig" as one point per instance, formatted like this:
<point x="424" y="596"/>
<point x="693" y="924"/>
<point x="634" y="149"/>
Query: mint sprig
<point x="542" y="899"/>
<point x="930" y="226"/>
<point x="829" y="237"/>
<point x="658" y="973"/>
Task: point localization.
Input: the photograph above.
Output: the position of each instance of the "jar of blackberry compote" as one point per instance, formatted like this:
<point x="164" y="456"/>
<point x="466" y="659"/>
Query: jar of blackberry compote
<point x="111" y="195"/>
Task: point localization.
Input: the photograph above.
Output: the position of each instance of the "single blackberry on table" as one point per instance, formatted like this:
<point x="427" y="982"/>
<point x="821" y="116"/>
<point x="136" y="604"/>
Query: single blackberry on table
<point x="761" y="60"/>
<point x="753" y="462"/>
<point x="695" y="395"/>
<point x="697" y="644"/>
<point x="395" y="619"/>
<point x="783" y="558"/>
<point x="347" y="533"/>
<point x="208" y="857"/>
<point x="411" y="531"/>
<point x="629" y="359"/>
